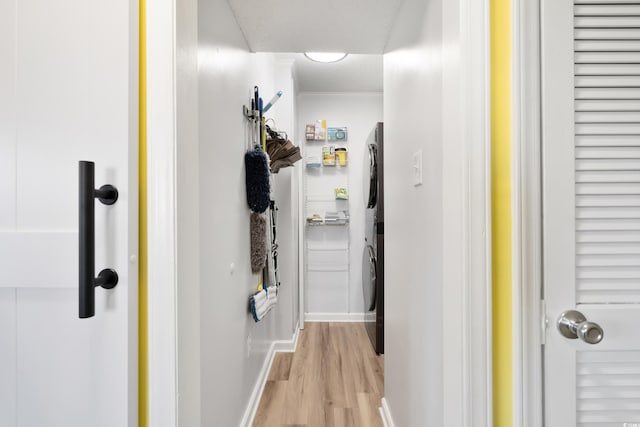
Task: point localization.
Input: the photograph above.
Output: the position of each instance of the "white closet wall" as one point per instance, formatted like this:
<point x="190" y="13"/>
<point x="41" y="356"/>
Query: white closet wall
<point x="222" y="351"/>
<point x="285" y="193"/>
<point x="359" y="112"/>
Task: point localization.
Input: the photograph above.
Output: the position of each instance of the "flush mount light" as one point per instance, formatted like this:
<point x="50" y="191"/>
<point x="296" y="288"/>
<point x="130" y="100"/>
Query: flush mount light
<point x="325" y="56"/>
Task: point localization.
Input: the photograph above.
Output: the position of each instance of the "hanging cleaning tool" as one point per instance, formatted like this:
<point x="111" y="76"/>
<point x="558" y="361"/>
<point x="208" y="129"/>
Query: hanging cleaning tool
<point x="256" y="95"/>
<point x="258" y="229"/>
<point x="257" y="164"/>
<point x="257" y="179"/>
<point x="275" y="99"/>
<point x="258" y="100"/>
<point x="263" y="133"/>
<point x="271" y="269"/>
<point x="258" y="187"/>
<point x="262" y="302"/>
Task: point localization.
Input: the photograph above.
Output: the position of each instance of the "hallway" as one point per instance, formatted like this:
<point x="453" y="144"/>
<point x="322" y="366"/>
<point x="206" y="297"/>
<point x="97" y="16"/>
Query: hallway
<point x="334" y="379"/>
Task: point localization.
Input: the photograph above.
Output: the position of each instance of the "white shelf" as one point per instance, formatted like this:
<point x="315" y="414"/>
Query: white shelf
<point x="328" y="269"/>
<point x="311" y="166"/>
<point x="313" y="199"/>
<point x="326" y="244"/>
<point x="334" y="167"/>
<point x="328" y="249"/>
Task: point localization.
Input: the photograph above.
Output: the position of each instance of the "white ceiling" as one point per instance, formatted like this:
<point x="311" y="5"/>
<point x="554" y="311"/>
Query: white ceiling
<point x="352" y="26"/>
<point x="355" y="73"/>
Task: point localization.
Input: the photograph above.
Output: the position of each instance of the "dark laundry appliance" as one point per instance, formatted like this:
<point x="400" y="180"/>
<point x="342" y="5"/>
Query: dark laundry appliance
<point x="373" y="256"/>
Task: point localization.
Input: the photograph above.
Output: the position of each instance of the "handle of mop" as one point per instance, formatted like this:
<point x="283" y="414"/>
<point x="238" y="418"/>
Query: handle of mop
<point x="273" y="101"/>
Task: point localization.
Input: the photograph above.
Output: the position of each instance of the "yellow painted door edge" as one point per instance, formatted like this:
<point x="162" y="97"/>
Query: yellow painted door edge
<point x="143" y="327"/>
<point x="501" y="211"/>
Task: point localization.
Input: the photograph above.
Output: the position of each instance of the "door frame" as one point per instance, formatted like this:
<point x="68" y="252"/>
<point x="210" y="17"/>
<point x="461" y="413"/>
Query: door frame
<point x="472" y="302"/>
<point x="172" y="157"/>
<point x="172" y="55"/>
<point x="162" y="382"/>
<point x="528" y="303"/>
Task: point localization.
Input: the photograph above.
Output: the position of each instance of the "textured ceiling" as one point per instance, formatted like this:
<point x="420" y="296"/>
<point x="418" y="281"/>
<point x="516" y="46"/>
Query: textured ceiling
<point x="352" y="26"/>
<point x="355" y="73"/>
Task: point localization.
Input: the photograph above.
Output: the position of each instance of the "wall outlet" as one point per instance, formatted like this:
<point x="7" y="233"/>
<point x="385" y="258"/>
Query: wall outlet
<point x="416" y="168"/>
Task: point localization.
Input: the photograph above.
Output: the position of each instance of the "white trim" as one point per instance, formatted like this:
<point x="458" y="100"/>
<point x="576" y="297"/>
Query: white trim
<point x="301" y="238"/>
<point x="285" y="346"/>
<point x="385" y="414"/>
<point x="256" y="394"/>
<point x="530" y="312"/>
<point x="134" y="212"/>
<point x="258" y="389"/>
<point x="161" y="173"/>
<point x="476" y="334"/>
<point x="516" y="217"/>
<point x="486" y="399"/>
<point x="339" y="317"/>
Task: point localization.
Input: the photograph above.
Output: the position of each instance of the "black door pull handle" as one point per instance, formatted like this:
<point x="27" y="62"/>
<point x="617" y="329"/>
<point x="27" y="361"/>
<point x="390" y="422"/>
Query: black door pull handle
<point x="107" y="278"/>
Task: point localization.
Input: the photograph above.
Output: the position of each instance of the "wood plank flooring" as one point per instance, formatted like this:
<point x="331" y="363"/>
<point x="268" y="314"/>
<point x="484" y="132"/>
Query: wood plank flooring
<point x="334" y="379"/>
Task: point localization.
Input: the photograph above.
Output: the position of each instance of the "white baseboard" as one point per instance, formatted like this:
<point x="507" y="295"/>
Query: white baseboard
<point x="385" y="414"/>
<point x="284" y="346"/>
<point x="288" y="346"/>
<point x="339" y="317"/>
<point x="254" y="400"/>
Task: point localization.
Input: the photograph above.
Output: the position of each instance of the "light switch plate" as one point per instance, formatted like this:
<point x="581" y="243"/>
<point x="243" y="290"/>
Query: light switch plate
<point x="416" y="168"/>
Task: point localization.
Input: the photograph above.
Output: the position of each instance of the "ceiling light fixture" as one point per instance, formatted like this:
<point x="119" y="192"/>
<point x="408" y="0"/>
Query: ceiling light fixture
<point x="325" y="57"/>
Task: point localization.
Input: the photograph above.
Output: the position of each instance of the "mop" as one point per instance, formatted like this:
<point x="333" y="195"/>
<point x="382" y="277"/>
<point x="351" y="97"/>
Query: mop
<point x="262" y="302"/>
<point x="275" y="99"/>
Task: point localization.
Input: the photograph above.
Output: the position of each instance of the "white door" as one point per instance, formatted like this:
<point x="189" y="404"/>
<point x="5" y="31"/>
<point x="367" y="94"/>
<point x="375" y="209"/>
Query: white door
<point x="591" y="209"/>
<point x="68" y="92"/>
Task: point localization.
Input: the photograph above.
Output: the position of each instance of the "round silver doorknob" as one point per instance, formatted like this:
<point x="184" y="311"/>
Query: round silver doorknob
<point x="590" y="332"/>
<point x="572" y="324"/>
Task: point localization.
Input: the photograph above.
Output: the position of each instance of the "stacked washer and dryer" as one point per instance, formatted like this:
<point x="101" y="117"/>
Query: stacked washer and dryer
<point x="373" y="257"/>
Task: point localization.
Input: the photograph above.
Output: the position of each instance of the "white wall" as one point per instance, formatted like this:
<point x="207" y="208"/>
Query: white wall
<point x="187" y="217"/>
<point x="221" y="349"/>
<point x="286" y="185"/>
<point x="359" y="112"/>
<point x="425" y="253"/>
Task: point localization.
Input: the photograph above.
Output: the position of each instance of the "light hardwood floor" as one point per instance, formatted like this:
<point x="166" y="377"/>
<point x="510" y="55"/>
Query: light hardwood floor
<point x="334" y="379"/>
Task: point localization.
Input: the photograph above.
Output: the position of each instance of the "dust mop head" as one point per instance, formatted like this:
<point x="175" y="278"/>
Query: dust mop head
<point x="257" y="179"/>
<point x="258" y="229"/>
<point x="258" y="305"/>
<point x="262" y="302"/>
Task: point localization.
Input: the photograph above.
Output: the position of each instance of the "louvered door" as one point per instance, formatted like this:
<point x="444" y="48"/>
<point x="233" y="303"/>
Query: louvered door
<point x="591" y="208"/>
